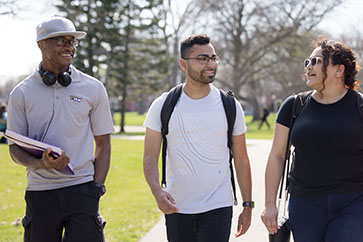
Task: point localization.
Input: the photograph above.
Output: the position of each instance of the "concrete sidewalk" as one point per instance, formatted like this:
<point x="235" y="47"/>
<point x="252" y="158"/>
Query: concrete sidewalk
<point x="258" y="151"/>
<point x="130" y="128"/>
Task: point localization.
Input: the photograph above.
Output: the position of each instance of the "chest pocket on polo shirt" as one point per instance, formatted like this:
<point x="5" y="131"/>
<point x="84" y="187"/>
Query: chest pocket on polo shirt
<point x="78" y="108"/>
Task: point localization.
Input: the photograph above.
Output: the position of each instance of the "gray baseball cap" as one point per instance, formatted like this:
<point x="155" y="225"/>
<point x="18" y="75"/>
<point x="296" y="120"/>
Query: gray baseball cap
<point x="57" y="26"/>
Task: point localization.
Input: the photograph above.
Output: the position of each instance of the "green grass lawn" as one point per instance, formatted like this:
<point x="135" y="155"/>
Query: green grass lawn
<point x="128" y="206"/>
<point x="131" y="118"/>
<point x="264" y="133"/>
<point x="12" y="204"/>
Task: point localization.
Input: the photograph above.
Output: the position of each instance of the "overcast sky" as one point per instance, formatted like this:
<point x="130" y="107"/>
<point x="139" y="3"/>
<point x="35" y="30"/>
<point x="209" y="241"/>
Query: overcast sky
<point x="20" y="54"/>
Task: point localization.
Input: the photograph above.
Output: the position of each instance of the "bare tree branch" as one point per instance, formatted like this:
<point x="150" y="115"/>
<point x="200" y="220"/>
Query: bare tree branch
<point x="250" y="34"/>
<point x="8" y="7"/>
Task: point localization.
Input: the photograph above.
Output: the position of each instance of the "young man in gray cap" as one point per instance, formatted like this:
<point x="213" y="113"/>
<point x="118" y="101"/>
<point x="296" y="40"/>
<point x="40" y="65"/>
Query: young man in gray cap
<point x="64" y="107"/>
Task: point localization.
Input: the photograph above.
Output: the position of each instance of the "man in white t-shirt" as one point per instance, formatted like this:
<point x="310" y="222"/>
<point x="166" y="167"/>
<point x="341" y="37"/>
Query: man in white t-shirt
<point x="198" y="199"/>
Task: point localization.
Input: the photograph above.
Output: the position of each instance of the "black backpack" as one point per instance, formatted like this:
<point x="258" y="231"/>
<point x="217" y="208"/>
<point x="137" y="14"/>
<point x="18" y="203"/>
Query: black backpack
<point x="168" y="108"/>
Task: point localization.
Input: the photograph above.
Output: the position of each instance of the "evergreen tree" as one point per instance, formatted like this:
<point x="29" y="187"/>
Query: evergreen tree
<point x="124" y="47"/>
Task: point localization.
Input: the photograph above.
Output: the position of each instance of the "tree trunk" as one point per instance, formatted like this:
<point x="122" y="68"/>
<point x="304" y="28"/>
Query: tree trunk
<point x="123" y="108"/>
<point x="175" y="64"/>
<point x="124" y="84"/>
<point x="256" y="109"/>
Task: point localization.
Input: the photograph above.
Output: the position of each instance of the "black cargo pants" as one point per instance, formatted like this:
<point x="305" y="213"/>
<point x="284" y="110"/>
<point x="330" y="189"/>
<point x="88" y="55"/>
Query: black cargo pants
<point x="73" y="209"/>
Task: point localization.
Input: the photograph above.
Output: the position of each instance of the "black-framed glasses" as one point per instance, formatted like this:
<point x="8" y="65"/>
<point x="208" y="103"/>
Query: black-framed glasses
<point x="61" y="41"/>
<point x="204" y="59"/>
<point x="313" y="61"/>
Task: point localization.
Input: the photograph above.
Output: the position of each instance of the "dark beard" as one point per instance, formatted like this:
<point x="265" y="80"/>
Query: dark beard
<point x="198" y="77"/>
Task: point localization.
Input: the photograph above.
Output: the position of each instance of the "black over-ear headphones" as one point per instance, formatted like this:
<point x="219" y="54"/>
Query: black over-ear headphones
<point x="49" y="78"/>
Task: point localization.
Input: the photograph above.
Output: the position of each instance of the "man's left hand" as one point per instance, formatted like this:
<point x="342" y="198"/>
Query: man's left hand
<point x="244" y="221"/>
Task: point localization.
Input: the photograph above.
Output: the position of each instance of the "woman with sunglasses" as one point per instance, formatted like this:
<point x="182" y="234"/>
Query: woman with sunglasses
<point x="326" y="178"/>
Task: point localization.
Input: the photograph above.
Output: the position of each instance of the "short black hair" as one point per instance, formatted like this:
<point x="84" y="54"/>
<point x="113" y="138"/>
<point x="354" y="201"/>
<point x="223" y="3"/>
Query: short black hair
<point x="195" y="39"/>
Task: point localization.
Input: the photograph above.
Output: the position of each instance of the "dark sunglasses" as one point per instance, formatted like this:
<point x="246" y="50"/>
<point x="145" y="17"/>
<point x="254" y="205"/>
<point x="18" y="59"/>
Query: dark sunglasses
<point x="61" y="41"/>
<point x="313" y="61"/>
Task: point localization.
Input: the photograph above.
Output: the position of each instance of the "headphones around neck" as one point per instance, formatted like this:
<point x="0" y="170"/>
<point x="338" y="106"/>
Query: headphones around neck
<point x="49" y="78"/>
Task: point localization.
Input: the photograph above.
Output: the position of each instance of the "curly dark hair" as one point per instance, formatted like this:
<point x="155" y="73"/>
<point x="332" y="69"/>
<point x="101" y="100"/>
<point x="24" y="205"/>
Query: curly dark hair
<point x="339" y="54"/>
<point x="195" y="39"/>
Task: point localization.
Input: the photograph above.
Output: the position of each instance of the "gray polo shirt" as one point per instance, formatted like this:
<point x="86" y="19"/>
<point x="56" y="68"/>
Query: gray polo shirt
<point x="67" y="117"/>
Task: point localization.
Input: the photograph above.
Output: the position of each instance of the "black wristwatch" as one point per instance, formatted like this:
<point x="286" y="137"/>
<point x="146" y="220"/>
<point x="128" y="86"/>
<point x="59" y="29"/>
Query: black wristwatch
<point x="250" y="204"/>
<point x="101" y="188"/>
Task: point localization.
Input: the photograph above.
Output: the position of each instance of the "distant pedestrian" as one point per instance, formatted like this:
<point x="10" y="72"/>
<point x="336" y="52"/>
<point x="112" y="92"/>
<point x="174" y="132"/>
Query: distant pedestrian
<point x="198" y="200"/>
<point x="326" y="178"/>
<point x="264" y="118"/>
<point x="3" y="121"/>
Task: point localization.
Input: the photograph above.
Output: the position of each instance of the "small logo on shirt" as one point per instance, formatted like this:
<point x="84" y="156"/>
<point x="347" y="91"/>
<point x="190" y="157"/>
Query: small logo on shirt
<point x="74" y="98"/>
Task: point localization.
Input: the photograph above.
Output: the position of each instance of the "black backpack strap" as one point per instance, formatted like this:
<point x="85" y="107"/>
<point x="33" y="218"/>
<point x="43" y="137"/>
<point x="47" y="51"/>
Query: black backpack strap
<point x="165" y="114"/>
<point x="285" y="171"/>
<point x="301" y="100"/>
<point x="360" y="105"/>
<point x="230" y="110"/>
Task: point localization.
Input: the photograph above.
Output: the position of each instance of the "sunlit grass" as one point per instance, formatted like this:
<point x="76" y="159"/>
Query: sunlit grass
<point x="131" y="118"/>
<point x="264" y="133"/>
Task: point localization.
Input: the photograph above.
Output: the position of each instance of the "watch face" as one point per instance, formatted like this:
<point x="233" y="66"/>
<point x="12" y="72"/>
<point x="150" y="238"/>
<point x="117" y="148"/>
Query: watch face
<point x="101" y="188"/>
<point x="250" y="204"/>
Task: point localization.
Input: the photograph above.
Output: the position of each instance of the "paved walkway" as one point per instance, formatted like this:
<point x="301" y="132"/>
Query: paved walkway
<point x="129" y="128"/>
<point x="258" y="151"/>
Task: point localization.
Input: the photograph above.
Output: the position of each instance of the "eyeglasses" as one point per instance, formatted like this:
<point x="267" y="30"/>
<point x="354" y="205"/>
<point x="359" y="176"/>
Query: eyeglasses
<point x="313" y="61"/>
<point x="61" y="41"/>
<point x="203" y="59"/>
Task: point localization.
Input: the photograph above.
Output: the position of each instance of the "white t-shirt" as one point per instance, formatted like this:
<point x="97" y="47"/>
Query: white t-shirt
<point x="197" y="165"/>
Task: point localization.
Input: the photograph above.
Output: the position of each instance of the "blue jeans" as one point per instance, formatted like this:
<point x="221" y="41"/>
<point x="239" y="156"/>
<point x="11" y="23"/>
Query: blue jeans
<point x="330" y="218"/>
<point x="213" y="225"/>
